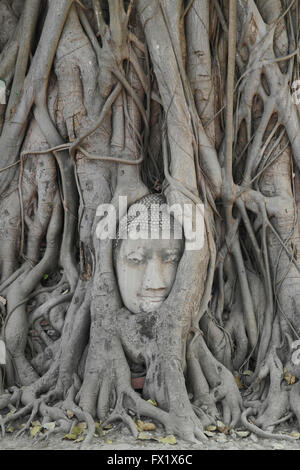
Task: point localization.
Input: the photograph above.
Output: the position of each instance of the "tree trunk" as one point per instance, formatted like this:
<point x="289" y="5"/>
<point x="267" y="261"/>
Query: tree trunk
<point x="108" y="99"/>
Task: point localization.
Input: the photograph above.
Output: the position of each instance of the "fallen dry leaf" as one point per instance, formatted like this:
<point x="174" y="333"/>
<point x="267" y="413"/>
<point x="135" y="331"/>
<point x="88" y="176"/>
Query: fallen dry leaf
<point x="144" y="426"/>
<point x="34" y="430"/>
<point x="209" y="433"/>
<point x="76" y="431"/>
<point x="153" y="402"/>
<point x="49" y="426"/>
<point x="98" y="430"/>
<point x="36" y="423"/>
<point x="145" y="436"/>
<point x="211" y="428"/>
<point x="70" y="437"/>
<point x="69" y="414"/>
<point x="248" y="372"/>
<point x="238" y="382"/>
<point x="170" y="439"/>
<point x="108" y="426"/>
<point x="289" y="378"/>
<point x="222" y="427"/>
<point x="242" y="433"/>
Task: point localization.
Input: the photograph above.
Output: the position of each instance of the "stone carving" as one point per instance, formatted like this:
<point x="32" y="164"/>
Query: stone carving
<point x="146" y="260"/>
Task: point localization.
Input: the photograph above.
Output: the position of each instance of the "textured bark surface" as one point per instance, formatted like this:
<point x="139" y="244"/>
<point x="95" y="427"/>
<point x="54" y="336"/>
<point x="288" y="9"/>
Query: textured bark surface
<point x="109" y="98"/>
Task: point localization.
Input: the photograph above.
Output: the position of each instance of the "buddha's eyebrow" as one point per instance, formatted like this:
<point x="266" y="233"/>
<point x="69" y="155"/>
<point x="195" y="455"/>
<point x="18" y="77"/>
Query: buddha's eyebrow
<point x="171" y="251"/>
<point x="139" y="251"/>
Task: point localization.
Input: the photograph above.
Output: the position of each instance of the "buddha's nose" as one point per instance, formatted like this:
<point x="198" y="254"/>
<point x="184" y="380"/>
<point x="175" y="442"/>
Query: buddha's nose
<point x="153" y="277"/>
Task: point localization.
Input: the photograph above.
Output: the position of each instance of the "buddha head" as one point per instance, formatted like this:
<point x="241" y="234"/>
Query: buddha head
<point x="147" y="251"/>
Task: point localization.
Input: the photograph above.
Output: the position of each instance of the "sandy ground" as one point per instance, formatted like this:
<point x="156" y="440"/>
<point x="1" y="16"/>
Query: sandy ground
<point x="119" y="438"/>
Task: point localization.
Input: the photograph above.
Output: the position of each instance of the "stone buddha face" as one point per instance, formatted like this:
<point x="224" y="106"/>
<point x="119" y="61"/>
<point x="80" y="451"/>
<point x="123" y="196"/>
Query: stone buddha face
<point x="146" y="266"/>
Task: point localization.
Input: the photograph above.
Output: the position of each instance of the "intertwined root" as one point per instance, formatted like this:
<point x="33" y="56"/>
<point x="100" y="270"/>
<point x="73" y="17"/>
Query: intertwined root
<point x="223" y="402"/>
<point x="182" y="419"/>
<point x="91" y="80"/>
<point x="187" y="427"/>
<point x="259" y="432"/>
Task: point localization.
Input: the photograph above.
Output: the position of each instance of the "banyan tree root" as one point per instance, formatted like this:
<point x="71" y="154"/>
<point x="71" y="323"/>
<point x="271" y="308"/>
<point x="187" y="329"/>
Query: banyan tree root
<point x="100" y="87"/>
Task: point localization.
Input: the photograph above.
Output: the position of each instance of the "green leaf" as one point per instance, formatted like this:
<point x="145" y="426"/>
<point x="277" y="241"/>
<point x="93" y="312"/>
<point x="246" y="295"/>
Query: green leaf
<point x="45" y="276"/>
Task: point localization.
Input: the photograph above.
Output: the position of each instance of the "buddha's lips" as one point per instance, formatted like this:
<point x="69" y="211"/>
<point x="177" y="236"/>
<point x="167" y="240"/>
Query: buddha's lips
<point x="149" y="298"/>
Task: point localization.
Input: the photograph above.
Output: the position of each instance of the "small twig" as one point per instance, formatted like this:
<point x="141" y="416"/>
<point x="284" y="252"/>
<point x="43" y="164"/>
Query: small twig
<point x="21" y="205"/>
<point x="81" y="5"/>
<point x="107" y="106"/>
<point x="110" y="159"/>
<point x="121" y="77"/>
<point x="225" y="29"/>
<point x="10" y="166"/>
<point x="187" y="8"/>
<point x="229" y="97"/>
<point x="128" y="12"/>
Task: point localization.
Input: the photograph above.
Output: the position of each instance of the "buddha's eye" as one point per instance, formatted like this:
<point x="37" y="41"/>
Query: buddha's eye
<point x="171" y="257"/>
<point x="136" y="258"/>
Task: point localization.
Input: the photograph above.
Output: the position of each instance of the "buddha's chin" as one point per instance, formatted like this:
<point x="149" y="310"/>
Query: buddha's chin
<point x="149" y="305"/>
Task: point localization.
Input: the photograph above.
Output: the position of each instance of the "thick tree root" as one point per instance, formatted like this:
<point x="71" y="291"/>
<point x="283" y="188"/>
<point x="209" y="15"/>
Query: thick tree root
<point x="259" y="432"/>
<point x="172" y="423"/>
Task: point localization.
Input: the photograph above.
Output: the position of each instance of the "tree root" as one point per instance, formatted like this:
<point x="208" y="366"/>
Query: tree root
<point x="173" y="424"/>
<point x="34" y="412"/>
<point x="259" y="432"/>
<point x="12" y="417"/>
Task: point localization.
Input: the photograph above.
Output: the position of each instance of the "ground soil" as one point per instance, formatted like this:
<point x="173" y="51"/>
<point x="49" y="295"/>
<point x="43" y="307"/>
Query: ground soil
<point x="119" y="438"/>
